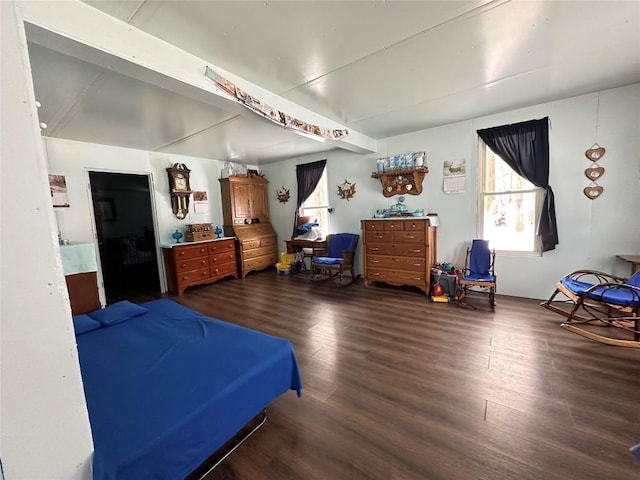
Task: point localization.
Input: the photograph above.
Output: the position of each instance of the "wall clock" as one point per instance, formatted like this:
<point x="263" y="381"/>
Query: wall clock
<point x="179" y="189"/>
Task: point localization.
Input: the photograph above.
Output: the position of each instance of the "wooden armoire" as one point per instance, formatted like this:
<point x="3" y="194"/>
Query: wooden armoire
<point x="245" y="213"/>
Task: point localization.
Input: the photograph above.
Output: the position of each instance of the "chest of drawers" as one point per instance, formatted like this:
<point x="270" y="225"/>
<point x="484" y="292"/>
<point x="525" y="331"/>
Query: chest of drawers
<point x="399" y="251"/>
<point x="197" y="263"/>
<point x="257" y="246"/>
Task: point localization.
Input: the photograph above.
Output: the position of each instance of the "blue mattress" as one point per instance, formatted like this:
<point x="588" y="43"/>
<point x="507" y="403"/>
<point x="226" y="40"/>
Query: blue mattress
<point x="167" y="387"/>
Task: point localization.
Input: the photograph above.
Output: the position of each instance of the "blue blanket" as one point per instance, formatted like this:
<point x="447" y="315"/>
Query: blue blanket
<point x="168" y="387"/>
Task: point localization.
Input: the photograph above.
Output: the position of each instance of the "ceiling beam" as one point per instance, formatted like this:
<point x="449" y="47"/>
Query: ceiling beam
<point x="81" y="31"/>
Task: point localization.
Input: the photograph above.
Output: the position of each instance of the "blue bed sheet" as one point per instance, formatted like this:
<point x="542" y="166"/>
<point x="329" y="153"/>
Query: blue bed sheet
<point x="167" y="388"/>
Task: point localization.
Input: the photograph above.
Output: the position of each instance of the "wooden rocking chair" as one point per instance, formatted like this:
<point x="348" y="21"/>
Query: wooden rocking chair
<point x="598" y="299"/>
<point x="338" y="258"/>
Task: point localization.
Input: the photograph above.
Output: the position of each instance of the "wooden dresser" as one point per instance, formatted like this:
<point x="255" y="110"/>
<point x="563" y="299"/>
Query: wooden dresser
<point x="196" y="263"/>
<point x="258" y="246"/>
<point x="399" y="251"/>
<point x="245" y="212"/>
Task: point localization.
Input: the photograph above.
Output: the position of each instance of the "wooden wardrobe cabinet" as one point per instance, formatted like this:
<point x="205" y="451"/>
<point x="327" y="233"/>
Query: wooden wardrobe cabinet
<point x="399" y="251"/>
<point x="244" y="200"/>
<point x="197" y="263"/>
<point x="245" y="213"/>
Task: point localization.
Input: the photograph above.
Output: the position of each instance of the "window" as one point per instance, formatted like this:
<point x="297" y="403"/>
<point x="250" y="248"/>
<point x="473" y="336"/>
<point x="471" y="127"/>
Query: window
<point x="317" y="204"/>
<point x="509" y="205"/>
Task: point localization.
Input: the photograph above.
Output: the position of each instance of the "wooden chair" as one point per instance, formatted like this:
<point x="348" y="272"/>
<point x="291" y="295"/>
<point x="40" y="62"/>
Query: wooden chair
<point x="479" y="271"/>
<point x="597" y="302"/>
<point x="338" y="258"/>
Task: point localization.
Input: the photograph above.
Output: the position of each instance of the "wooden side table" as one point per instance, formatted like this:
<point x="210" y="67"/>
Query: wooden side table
<point x="634" y="260"/>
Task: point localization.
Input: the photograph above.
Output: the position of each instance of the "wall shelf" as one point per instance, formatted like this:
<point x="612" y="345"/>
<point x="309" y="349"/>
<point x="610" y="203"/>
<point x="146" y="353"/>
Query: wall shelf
<point x="405" y="181"/>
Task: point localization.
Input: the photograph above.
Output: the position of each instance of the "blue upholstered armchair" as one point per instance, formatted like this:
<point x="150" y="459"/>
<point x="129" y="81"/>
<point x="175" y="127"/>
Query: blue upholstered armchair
<point x="339" y="257"/>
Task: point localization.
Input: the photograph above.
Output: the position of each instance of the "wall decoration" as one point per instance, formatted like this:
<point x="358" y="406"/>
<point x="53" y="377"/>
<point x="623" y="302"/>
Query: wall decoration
<point x="593" y="192"/>
<point x="594" y="171"/>
<point x="454" y="176"/>
<point x="58" y="188"/>
<point x="401" y="174"/>
<point x="200" y="203"/>
<point x="283" y="195"/>
<point x="346" y="190"/>
<point x="258" y="106"/>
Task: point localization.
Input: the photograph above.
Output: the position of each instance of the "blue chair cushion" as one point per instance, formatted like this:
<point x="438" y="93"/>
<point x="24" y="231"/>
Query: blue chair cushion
<point x="634" y="281"/>
<point x="616" y="296"/>
<point x="327" y="260"/>
<point x="476" y="277"/>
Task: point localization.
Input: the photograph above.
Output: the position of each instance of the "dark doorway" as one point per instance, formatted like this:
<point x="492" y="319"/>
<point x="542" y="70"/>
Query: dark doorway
<point x="126" y="235"/>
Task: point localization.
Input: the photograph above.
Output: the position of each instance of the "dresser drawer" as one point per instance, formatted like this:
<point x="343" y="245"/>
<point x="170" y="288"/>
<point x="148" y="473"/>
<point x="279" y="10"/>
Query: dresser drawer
<point x="392" y="225"/>
<point x="409" y="264"/>
<point x="378" y="236"/>
<point x="371" y="225"/>
<point x="415" y="225"/>
<point x="409" y="237"/>
<point x="190" y="251"/>
<point x="267" y="241"/>
<point x="186" y="265"/>
<point x="251" y="244"/>
<point x="396" y="277"/>
<point x="395" y="249"/>
<point x="223" y="269"/>
<point x="259" y="262"/>
<point x="193" y="276"/>
<point x="222" y="246"/>
<point x="257" y="252"/>
<point x="224" y="257"/>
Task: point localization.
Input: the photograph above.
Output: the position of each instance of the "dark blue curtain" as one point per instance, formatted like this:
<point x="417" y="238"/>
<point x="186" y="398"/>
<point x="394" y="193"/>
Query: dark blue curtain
<point x="524" y="147"/>
<point x="308" y="176"/>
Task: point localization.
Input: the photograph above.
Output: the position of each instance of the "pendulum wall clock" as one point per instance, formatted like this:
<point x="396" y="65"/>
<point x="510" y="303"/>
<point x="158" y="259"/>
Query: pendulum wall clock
<point x="179" y="189"/>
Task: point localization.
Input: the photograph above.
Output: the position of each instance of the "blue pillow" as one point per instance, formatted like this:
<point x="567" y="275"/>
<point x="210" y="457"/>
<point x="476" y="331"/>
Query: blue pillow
<point x="117" y="313"/>
<point x="84" y="323"/>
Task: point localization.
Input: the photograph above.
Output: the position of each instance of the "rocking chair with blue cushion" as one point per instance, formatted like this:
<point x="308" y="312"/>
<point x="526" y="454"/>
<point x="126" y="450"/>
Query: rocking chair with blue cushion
<point x="479" y="272"/>
<point x="338" y="258"/>
<point x="596" y="299"/>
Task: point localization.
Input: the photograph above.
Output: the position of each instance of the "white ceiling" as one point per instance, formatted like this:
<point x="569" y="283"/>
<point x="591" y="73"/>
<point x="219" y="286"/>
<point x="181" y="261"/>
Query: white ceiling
<point x="379" y="68"/>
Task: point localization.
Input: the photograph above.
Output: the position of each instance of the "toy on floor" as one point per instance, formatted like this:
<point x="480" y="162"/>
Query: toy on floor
<point x="285" y="263"/>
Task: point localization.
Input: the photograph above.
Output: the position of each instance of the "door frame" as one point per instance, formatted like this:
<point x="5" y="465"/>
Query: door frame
<point x="154" y="214"/>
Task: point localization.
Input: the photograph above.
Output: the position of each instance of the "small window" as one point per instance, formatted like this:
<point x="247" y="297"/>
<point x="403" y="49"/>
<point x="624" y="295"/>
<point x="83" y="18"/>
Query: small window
<point x="317" y="204"/>
<point x="509" y="206"/>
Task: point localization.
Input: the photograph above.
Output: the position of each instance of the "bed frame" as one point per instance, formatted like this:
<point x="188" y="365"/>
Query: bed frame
<point x="166" y="386"/>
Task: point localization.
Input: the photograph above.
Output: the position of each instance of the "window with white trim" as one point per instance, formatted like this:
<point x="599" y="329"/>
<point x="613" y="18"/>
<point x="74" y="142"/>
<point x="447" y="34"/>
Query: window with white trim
<point x="317" y="204"/>
<point x="508" y="205"/>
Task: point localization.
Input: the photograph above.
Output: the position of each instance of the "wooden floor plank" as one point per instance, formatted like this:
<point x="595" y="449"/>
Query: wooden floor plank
<point x="397" y="387"/>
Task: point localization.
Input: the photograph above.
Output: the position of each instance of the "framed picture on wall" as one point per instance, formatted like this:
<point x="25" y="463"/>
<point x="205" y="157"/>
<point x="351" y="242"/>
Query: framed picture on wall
<point x="58" y="188"/>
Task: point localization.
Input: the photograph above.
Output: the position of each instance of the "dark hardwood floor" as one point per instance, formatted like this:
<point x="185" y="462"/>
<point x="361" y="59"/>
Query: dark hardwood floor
<point x="396" y="387"/>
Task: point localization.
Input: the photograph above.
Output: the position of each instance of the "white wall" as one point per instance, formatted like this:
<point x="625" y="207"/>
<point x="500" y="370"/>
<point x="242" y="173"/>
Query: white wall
<point x="45" y="426"/>
<point x="591" y="232"/>
<point x="76" y="159"/>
